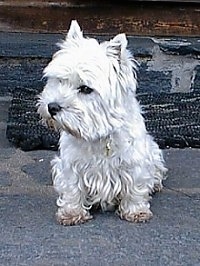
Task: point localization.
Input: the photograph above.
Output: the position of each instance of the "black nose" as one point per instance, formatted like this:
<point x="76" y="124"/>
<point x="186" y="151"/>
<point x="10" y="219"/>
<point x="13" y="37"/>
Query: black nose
<point x="53" y="108"/>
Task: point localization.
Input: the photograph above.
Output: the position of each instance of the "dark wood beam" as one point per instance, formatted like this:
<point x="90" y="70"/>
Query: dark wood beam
<point x="102" y="17"/>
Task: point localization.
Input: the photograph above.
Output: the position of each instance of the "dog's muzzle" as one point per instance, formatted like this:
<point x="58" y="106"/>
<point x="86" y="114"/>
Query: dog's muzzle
<point x="53" y="108"/>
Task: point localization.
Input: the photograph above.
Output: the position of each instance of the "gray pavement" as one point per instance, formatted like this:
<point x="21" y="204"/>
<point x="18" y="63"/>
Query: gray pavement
<point x="30" y="235"/>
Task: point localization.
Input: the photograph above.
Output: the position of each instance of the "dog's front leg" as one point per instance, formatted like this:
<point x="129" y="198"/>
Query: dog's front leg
<point x="133" y="211"/>
<point x="71" y="209"/>
<point x="134" y="205"/>
<point x="68" y="214"/>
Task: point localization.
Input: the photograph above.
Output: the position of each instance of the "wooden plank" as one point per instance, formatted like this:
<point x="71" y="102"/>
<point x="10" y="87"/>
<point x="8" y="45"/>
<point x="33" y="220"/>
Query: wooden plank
<point x="175" y="1"/>
<point x="133" y="18"/>
<point x="80" y="2"/>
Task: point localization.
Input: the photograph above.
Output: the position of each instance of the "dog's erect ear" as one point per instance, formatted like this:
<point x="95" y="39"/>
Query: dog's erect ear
<point x="117" y="46"/>
<point x="74" y="31"/>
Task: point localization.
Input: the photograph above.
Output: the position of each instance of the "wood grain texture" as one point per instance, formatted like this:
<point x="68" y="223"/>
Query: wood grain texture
<point x="133" y="17"/>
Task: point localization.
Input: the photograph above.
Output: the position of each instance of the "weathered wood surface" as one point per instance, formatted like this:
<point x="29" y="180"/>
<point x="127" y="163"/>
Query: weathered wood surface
<point x="102" y="17"/>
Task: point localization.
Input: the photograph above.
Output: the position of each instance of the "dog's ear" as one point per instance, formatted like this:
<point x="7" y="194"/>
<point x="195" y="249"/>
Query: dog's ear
<point x="74" y="31"/>
<point x="117" y="46"/>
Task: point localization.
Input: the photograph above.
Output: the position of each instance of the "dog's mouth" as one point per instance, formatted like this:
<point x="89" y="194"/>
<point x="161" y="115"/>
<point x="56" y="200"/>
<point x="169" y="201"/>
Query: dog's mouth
<point x="55" y="125"/>
<point x="65" y="126"/>
<point x="72" y="132"/>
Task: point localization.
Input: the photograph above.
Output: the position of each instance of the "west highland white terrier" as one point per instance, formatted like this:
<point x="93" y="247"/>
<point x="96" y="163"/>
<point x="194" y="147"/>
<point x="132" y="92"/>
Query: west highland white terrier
<point x="107" y="158"/>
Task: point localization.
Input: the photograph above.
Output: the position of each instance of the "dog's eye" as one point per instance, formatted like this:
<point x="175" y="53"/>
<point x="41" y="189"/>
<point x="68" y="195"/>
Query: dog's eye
<point x="61" y="81"/>
<point x="85" y="89"/>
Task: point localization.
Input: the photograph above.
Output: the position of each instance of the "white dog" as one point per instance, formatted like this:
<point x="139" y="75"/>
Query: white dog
<point x="107" y="158"/>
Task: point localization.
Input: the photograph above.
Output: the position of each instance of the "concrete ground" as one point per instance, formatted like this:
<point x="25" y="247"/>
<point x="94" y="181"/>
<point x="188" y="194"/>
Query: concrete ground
<point x="30" y="235"/>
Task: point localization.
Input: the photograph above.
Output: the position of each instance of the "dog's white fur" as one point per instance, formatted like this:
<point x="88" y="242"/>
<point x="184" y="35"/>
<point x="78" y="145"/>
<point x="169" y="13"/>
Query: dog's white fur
<point x="106" y="155"/>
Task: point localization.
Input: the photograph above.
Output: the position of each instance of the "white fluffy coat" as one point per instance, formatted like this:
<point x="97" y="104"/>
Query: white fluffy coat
<point x="106" y="155"/>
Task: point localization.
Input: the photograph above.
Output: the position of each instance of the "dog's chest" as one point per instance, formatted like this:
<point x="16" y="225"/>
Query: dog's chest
<point x="99" y="168"/>
<point x="100" y="178"/>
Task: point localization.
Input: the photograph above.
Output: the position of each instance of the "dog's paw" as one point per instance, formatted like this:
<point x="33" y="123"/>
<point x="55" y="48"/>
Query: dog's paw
<point x="157" y="188"/>
<point x="72" y="218"/>
<point x="139" y="217"/>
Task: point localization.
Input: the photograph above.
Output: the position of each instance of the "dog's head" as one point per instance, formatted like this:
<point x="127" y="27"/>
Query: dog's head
<point x="88" y="85"/>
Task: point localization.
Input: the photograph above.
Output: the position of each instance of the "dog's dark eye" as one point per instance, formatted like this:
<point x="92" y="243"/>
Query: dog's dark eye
<point x="61" y="81"/>
<point x="85" y="89"/>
